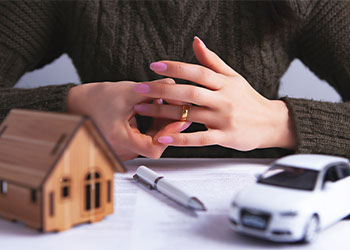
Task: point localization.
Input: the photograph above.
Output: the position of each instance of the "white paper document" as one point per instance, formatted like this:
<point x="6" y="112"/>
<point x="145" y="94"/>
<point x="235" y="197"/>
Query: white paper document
<point x="145" y="219"/>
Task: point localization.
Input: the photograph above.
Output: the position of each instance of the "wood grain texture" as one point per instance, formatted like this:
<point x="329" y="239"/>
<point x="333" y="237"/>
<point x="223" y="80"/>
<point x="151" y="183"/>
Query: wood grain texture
<point x="82" y="157"/>
<point x="17" y="205"/>
<point x="55" y="153"/>
<point x="34" y="141"/>
<point x="27" y="143"/>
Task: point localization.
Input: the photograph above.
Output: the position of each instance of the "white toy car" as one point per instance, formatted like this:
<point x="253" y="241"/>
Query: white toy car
<point x="294" y="199"/>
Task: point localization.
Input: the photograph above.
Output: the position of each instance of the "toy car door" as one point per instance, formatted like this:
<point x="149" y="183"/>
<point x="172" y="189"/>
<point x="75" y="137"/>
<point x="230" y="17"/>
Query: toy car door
<point x="343" y="170"/>
<point x="334" y="196"/>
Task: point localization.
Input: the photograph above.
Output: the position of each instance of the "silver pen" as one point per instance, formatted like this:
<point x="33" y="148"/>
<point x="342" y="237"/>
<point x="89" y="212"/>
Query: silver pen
<point x="155" y="181"/>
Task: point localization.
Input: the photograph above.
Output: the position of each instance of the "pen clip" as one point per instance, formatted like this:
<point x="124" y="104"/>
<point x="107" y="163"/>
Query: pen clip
<point x="139" y="179"/>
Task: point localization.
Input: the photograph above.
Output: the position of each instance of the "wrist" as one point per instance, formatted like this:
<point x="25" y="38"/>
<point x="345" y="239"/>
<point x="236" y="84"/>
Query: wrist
<point x="74" y="99"/>
<point x="281" y="131"/>
<point x="71" y="101"/>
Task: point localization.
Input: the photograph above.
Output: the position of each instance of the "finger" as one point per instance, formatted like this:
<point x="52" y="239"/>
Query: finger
<point x="143" y="144"/>
<point x="202" y="138"/>
<point x="191" y="72"/>
<point x="162" y="81"/>
<point x="169" y="101"/>
<point x="178" y="92"/>
<point x="171" y="128"/>
<point x="209" y="59"/>
<point x="160" y="100"/>
<point x="142" y="99"/>
<point x="174" y="127"/>
<point x="174" y="112"/>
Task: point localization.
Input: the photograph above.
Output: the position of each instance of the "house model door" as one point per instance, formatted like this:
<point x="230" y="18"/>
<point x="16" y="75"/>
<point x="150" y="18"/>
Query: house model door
<point x="92" y="195"/>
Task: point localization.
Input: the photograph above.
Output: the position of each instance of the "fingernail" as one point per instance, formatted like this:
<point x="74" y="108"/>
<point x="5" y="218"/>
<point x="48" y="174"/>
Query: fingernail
<point x="140" y="108"/>
<point x="165" y="139"/>
<point x="159" y="101"/>
<point x="185" y="126"/>
<point x="201" y="41"/>
<point x="142" y="88"/>
<point x="158" y="66"/>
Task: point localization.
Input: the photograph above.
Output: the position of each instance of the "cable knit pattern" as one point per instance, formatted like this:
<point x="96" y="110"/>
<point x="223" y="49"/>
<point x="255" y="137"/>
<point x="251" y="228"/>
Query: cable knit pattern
<point x="323" y="44"/>
<point x="30" y="37"/>
<point x="114" y="40"/>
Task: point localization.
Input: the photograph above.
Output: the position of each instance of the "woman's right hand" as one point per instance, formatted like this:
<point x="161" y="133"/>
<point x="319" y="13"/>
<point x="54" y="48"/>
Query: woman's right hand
<point x="110" y="105"/>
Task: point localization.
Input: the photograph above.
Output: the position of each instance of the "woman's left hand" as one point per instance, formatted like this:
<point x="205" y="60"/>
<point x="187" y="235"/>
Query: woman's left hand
<point x="236" y="115"/>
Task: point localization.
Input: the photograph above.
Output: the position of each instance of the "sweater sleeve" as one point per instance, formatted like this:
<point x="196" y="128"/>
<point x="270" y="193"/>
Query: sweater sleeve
<point x="323" y="45"/>
<point x="30" y="37"/>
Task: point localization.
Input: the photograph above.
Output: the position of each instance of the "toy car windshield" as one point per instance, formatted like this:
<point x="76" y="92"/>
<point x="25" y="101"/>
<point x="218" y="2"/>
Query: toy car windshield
<point x="290" y="177"/>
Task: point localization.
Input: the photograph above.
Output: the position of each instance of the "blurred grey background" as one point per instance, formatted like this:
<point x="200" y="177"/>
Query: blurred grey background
<point x="297" y="82"/>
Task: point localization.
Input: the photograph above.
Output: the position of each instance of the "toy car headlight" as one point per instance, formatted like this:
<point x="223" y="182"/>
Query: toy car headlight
<point x="289" y="213"/>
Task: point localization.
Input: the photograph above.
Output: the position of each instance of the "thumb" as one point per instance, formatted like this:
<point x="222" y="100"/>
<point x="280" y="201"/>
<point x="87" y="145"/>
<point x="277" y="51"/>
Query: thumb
<point x="209" y="59"/>
<point x="171" y="128"/>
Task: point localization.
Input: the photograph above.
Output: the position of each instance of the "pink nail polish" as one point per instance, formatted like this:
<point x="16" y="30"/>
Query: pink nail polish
<point x="158" y="66"/>
<point x="165" y="139"/>
<point x="142" y="88"/>
<point x="201" y="41"/>
<point x="185" y="126"/>
<point x="140" y="108"/>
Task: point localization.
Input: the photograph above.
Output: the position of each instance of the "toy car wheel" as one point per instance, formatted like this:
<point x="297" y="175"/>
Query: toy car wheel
<point x="311" y="230"/>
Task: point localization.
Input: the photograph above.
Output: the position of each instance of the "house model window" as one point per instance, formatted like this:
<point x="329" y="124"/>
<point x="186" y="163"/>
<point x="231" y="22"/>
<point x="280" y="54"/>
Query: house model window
<point x="3" y="187"/>
<point x="92" y="190"/>
<point x="33" y="197"/>
<point x="65" y="188"/>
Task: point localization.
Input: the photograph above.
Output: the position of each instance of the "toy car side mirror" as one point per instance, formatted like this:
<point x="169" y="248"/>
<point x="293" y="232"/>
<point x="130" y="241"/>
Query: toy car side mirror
<point x="257" y="176"/>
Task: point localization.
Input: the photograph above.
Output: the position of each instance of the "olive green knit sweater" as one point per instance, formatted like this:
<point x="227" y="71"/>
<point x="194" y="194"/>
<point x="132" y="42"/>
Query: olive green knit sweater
<point x="117" y="40"/>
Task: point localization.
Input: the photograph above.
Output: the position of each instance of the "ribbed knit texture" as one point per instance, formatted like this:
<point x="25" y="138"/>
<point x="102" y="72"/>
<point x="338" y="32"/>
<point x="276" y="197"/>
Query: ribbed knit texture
<point x="117" y="40"/>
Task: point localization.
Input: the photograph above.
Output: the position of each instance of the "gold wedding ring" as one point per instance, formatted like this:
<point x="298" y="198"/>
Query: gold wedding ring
<point x="184" y="113"/>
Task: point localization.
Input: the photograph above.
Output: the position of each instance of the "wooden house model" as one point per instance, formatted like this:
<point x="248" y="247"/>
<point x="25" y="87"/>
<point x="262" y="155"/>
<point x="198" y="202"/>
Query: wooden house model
<point x="56" y="170"/>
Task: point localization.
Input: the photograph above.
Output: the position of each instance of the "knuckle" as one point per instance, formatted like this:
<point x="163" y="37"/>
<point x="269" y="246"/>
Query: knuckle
<point x="229" y="120"/>
<point x="179" y="68"/>
<point x="162" y="90"/>
<point x="204" y="73"/>
<point x="203" y="140"/>
<point x="183" y="140"/>
<point x="169" y="81"/>
<point x="221" y="79"/>
<point x="227" y="105"/>
<point x="231" y="123"/>
<point x="193" y="93"/>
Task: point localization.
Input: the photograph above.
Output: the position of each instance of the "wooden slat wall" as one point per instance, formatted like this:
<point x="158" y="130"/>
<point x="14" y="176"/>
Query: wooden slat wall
<point x="80" y="157"/>
<point x="17" y="205"/>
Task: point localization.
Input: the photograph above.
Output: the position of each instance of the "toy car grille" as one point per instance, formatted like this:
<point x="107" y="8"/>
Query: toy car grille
<point x="255" y="219"/>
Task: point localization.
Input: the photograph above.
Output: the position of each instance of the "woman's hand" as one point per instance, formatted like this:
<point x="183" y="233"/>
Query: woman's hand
<point x="110" y="105"/>
<point x="236" y="115"/>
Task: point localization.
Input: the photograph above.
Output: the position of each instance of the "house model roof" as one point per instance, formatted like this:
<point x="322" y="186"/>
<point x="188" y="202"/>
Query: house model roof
<point x="31" y="143"/>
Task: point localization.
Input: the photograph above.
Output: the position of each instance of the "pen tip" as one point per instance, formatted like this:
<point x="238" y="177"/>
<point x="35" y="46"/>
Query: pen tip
<point x="196" y="204"/>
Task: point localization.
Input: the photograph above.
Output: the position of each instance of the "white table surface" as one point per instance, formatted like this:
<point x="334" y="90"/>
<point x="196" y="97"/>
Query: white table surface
<point x="145" y="219"/>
